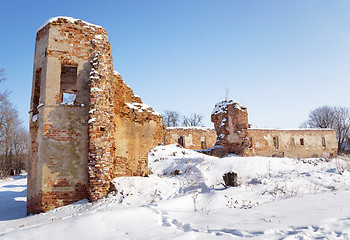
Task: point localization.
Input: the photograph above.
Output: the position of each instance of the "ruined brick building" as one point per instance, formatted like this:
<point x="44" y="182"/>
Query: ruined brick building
<point x="87" y="126"/>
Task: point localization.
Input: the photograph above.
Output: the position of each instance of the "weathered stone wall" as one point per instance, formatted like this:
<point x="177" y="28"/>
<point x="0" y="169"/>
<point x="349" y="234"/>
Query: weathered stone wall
<point x="79" y="144"/>
<point x="302" y="143"/>
<point x="195" y="138"/>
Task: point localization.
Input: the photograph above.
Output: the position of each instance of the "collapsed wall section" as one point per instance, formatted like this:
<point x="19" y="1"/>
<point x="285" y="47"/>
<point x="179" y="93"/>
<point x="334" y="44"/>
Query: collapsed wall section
<point x="120" y="137"/>
<point x="122" y="129"/>
<point x="230" y="120"/>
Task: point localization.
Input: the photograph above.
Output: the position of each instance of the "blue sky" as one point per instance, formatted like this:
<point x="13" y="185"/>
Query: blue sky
<point x="279" y="58"/>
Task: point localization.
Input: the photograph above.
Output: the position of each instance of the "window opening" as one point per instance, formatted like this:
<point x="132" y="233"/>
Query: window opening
<point x="68" y="89"/>
<point x="36" y="97"/>
<point x="323" y="142"/>
<point x="181" y="141"/>
<point x="302" y="141"/>
<point x="203" y="143"/>
<point x="292" y="141"/>
<point x="275" y="142"/>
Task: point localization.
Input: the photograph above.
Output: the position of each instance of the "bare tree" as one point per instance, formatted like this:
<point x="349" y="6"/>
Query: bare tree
<point x="322" y="117"/>
<point x="3" y="95"/>
<point x="337" y="118"/>
<point x="193" y="120"/>
<point x="171" y="118"/>
<point x="342" y="125"/>
<point x="2" y="75"/>
<point x="13" y="139"/>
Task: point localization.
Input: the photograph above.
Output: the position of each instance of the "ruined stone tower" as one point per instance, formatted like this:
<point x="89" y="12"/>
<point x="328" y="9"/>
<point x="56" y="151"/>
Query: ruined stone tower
<point x="230" y="120"/>
<point x="86" y="125"/>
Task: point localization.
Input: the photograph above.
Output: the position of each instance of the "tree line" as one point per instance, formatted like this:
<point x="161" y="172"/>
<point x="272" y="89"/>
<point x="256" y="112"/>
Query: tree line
<point x="13" y="137"/>
<point x="337" y="118"/>
<point x="174" y="119"/>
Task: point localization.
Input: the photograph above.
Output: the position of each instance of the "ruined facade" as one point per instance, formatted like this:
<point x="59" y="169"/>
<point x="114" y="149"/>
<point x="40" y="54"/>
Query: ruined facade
<point x="87" y="126"/>
<point x="195" y="138"/>
<point x="234" y="136"/>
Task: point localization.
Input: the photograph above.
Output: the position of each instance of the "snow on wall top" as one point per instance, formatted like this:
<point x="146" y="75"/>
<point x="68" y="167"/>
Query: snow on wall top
<point x="142" y="107"/>
<point x="192" y="127"/>
<point x="70" y="19"/>
<point x="293" y="129"/>
<point x="221" y="107"/>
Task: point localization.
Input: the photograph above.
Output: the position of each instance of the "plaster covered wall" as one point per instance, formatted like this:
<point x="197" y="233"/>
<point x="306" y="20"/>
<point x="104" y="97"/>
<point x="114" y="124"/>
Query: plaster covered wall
<point x="301" y="143"/>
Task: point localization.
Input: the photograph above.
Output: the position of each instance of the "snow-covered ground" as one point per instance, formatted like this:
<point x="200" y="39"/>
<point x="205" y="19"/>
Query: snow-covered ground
<point x="184" y="198"/>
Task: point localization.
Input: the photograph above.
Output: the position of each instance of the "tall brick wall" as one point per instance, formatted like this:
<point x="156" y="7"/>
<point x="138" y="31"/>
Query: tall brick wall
<point x="78" y="147"/>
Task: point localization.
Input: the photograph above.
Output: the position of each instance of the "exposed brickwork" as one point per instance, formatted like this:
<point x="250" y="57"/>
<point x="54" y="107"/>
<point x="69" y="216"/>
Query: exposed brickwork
<point x="57" y="134"/>
<point x="59" y="198"/>
<point x="114" y="109"/>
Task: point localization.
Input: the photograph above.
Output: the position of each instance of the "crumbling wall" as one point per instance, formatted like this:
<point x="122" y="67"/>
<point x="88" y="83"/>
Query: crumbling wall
<point x="195" y="138"/>
<point x="122" y="129"/>
<point x="230" y="120"/>
<point x="83" y="131"/>
<point x="299" y="143"/>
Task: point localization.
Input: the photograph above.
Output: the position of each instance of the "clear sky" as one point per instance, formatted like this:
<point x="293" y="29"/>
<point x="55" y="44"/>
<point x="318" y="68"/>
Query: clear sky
<point x="279" y="58"/>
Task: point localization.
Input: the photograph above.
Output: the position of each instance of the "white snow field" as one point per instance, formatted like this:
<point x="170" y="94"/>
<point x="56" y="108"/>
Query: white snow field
<point x="184" y="198"/>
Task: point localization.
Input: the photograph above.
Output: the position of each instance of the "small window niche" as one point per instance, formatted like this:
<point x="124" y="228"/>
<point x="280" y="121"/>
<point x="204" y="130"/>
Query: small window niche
<point x="275" y="142"/>
<point x="203" y="143"/>
<point x="323" y="142"/>
<point x="68" y="90"/>
<point x="181" y="141"/>
<point x="36" y="94"/>
<point x="292" y="141"/>
<point x="302" y="143"/>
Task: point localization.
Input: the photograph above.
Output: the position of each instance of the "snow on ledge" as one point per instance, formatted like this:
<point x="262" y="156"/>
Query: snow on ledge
<point x="142" y="107"/>
<point x="70" y="19"/>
